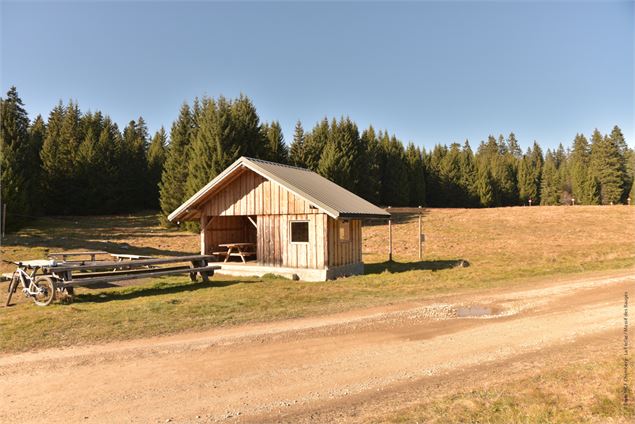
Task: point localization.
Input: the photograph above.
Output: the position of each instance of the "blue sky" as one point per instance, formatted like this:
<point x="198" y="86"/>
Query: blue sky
<point x="430" y="72"/>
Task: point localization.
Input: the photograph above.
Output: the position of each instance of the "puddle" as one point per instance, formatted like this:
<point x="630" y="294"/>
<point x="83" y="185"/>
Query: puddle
<point x="473" y="311"/>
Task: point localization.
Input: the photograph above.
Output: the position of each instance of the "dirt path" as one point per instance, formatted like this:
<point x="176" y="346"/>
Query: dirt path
<point x="289" y="370"/>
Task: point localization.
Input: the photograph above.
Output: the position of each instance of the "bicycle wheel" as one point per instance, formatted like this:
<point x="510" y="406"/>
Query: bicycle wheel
<point x="46" y="291"/>
<point x="12" y="287"/>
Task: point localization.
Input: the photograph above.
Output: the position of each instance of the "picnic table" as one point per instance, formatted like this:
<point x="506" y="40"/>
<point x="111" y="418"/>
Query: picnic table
<point x="241" y="250"/>
<point x="65" y="255"/>
<point x="64" y="276"/>
<point x="120" y="257"/>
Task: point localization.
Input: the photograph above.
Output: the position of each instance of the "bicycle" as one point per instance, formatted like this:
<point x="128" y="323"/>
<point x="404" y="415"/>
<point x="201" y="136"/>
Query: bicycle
<point x="39" y="288"/>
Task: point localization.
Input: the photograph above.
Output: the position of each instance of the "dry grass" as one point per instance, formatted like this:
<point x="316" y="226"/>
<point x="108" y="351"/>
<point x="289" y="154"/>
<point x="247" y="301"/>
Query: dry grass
<point x="514" y="242"/>
<point x="586" y="390"/>
<point x="504" y="246"/>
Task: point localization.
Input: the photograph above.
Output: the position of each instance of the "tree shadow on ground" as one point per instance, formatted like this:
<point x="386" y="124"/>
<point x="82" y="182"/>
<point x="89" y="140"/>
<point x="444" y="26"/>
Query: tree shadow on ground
<point x="110" y="233"/>
<point x="69" y="243"/>
<point x="392" y="266"/>
<point x="155" y="290"/>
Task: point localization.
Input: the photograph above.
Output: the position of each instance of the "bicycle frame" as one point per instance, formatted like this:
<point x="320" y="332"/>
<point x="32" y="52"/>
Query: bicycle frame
<point x="28" y="288"/>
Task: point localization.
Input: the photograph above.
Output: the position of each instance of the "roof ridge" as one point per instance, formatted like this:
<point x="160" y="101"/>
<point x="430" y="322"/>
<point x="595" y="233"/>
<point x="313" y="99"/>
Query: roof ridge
<point x="278" y="164"/>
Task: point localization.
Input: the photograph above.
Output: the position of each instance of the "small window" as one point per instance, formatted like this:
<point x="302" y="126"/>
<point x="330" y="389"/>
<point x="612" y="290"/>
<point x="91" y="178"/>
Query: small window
<point x="299" y="231"/>
<point x="345" y="231"/>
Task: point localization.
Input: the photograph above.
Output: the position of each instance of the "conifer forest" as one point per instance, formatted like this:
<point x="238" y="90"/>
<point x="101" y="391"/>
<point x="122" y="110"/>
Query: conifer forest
<point x="78" y="163"/>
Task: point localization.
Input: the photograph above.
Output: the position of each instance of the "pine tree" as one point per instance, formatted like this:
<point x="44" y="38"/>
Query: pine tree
<point x="172" y="192"/>
<point x="617" y="140"/>
<point x="450" y="176"/>
<point x="435" y="190"/>
<point x="107" y="168"/>
<point x="37" y="134"/>
<point x="277" y="150"/>
<point x="416" y="176"/>
<point x="485" y="186"/>
<point x="370" y="181"/>
<point x="314" y="142"/>
<point x="550" y="185"/>
<point x="513" y="147"/>
<point x="15" y="160"/>
<point x="155" y="160"/>
<point x="341" y="158"/>
<point x="608" y="166"/>
<point x="468" y="177"/>
<point x="134" y="166"/>
<point x="395" y="187"/>
<point x="62" y="175"/>
<point x="296" y="151"/>
<point x="226" y="131"/>
<point x="579" y="170"/>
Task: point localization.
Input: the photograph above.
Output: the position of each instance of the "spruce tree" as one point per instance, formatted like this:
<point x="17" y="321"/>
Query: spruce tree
<point x="62" y="175"/>
<point x="134" y="166"/>
<point x="37" y="134"/>
<point x="370" y="181"/>
<point x="277" y="150"/>
<point x="485" y="186"/>
<point x="468" y="177"/>
<point x="296" y="151"/>
<point x="608" y="166"/>
<point x="617" y="140"/>
<point x="395" y="187"/>
<point x="172" y="191"/>
<point x="416" y="176"/>
<point x="226" y="130"/>
<point x="341" y="158"/>
<point x="579" y="170"/>
<point x="513" y="147"/>
<point x="15" y="160"/>
<point x="550" y="185"/>
<point x="155" y="160"/>
<point x="450" y="177"/>
<point x="314" y="142"/>
<point x="435" y="190"/>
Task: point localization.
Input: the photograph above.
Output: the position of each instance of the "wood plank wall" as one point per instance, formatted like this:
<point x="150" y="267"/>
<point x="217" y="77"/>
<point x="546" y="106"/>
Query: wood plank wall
<point x="275" y="249"/>
<point x="251" y="194"/>
<point x="344" y="252"/>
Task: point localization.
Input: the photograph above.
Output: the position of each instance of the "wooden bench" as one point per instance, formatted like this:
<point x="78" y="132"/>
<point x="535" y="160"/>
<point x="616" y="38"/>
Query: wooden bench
<point x="65" y="255"/>
<point x="124" y="256"/>
<point x="104" y="271"/>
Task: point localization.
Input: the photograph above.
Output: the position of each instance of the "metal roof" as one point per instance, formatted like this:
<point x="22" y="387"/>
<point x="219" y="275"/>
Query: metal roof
<point x="332" y="199"/>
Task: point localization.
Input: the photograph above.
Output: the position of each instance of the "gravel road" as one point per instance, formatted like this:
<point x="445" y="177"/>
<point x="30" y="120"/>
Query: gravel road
<point x="311" y="369"/>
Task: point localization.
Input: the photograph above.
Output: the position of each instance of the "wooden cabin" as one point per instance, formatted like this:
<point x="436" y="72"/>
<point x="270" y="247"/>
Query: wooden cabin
<point x="279" y="219"/>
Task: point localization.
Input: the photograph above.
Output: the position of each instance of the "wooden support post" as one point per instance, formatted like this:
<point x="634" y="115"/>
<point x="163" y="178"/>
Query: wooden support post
<point x="389" y="240"/>
<point x="252" y="222"/>
<point x="4" y="218"/>
<point x="204" y="222"/>
<point x="419" y="235"/>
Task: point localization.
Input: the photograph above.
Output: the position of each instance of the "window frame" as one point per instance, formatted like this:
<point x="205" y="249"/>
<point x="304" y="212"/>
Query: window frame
<point x="348" y="230"/>
<point x="308" y="232"/>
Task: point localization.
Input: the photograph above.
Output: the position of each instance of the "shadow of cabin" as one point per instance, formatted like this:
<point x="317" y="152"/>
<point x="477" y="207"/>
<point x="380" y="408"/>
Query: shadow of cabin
<point x="396" y="267"/>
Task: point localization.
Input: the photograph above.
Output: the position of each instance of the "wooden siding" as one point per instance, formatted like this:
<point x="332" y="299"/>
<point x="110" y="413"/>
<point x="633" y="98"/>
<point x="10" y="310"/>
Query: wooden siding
<point x="344" y="252"/>
<point x="274" y="247"/>
<point x="251" y="194"/>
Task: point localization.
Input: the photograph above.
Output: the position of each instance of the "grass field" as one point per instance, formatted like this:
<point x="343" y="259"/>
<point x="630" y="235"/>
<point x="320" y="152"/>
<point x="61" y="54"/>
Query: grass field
<point x="576" y="390"/>
<point x="503" y="246"/>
